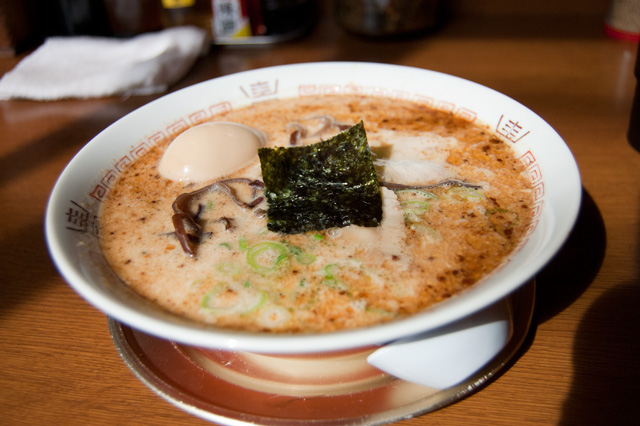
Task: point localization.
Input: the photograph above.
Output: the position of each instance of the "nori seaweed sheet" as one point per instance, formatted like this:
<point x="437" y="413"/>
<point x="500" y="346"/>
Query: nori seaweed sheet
<point x="329" y="184"/>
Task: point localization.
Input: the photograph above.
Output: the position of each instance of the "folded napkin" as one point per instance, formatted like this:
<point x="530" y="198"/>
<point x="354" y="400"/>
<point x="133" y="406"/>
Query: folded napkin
<point x="91" y="67"/>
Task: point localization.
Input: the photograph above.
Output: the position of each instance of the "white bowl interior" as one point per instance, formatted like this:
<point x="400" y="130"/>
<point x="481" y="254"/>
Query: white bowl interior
<point x="72" y="212"/>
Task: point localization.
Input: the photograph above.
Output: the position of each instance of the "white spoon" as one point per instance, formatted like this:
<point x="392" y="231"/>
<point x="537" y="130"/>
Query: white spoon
<point x="447" y="356"/>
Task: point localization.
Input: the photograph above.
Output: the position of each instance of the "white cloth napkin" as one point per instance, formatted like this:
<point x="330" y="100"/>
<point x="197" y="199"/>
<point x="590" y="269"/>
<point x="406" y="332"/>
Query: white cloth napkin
<point x="91" y="67"/>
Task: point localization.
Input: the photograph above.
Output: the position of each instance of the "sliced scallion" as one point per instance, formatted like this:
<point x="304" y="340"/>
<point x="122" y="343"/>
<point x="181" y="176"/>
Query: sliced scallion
<point x="228" y="268"/>
<point x="267" y="256"/>
<point x="468" y="194"/>
<point x="232" y="299"/>
<point x="305" y="258"/>
<point x="418" y="192"/>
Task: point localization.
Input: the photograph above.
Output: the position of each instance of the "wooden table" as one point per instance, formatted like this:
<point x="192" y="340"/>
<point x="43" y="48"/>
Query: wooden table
<point x="581" y="362"/>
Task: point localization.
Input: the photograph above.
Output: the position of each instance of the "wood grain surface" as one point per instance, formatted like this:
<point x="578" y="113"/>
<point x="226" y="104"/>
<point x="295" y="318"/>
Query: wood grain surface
<point x="581" y="362"/>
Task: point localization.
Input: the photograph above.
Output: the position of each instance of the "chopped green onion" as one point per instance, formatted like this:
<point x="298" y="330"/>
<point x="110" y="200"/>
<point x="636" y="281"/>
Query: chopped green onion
<point x="414" y="206"/>
<point x="294" y="249"/>
<point x="497" y="210"/>
<point x="330" y="269"/>
<point x="306" y="258"/>
<point x="301" y="256"/>
<point x="225" y="245"/>
<point x="197" y="283"/>
<point x="228" y="268"/>
<point x="430" y="233"/>
<point x="330" y="279"/>
<point x="466" y="193"/>
<point x="331" y="282"/>
<point x="377" y="311"/>
<point x="225" y="298"/>
<point x="419" y="192"/>
<point x="267" y="256"/>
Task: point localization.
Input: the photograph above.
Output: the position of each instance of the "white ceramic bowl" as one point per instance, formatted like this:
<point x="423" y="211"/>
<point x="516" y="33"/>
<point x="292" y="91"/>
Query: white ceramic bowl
<point x="71" y="217"/>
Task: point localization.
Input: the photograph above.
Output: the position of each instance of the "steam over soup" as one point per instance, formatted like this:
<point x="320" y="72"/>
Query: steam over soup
<point x="455" y="203"/>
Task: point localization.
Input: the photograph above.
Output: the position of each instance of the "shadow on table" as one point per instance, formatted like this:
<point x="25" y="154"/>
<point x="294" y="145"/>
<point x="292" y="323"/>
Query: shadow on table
<point x="606" y="359"/>
<point x="575" y="266"/>
<point x="570" y="272"/>
<point x="606" y="356"/>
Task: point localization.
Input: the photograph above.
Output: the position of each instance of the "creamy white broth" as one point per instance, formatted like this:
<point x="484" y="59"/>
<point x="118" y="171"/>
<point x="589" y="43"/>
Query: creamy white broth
<point x="431" y="243"/>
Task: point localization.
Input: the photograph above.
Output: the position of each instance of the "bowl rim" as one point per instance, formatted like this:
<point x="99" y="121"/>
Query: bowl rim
<point x="188" y="332"/>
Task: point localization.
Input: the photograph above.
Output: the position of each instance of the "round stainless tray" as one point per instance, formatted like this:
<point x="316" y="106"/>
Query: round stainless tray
<point x="165" y="369"/>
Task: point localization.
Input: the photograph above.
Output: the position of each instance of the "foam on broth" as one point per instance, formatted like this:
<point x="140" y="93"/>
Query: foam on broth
<point x="431" y="245"/>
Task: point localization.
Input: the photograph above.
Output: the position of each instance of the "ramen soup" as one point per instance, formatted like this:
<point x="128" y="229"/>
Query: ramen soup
<point x="455" y="204"/>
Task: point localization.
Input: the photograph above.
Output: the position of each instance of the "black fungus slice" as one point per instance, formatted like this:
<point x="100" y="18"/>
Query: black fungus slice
<point x="329" y="184"/>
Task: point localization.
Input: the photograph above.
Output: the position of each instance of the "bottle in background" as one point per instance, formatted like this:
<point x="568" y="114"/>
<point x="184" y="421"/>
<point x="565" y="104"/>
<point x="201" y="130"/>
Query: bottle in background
<point x="387" y="18"/>
<point x="623" y="20"/>
<point x="186" y="12"/>
<point x="261" y="21"/>
<point x="131" y="17"/>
